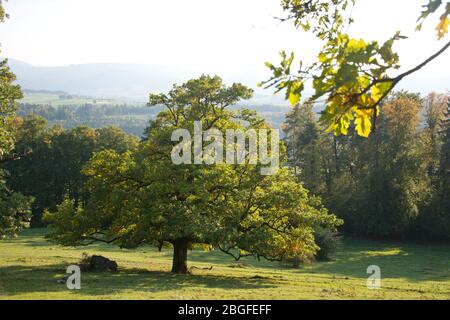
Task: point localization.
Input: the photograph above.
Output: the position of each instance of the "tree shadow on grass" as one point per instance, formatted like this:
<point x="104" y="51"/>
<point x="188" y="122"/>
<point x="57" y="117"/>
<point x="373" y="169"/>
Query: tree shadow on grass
<point x="36" y="238"/>
<point x="29" y="279"/>
<point x="414" y="262"/>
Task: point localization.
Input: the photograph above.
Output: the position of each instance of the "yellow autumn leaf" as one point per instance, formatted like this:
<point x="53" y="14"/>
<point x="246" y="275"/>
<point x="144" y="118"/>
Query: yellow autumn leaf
<point x="442" y="27"/>
<point x="380" y="89"/>
<point x="295" y="92"/>
<point x="376" y="92"/>
<point x="363" y="122"/>
<point x="294" y="98"/>
<point x="356" y="45"/>
<point x="342" y="124"/>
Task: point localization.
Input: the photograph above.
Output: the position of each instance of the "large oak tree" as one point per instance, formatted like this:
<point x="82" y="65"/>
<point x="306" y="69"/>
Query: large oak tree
<point x="141" y="197"/>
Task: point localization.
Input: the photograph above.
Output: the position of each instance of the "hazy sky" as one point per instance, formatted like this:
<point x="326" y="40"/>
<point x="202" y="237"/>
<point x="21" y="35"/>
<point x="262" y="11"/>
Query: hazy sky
<point x="221" y="36"/>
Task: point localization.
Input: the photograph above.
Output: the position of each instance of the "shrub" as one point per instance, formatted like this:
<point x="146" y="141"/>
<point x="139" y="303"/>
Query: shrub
<point x="328" y="242"/>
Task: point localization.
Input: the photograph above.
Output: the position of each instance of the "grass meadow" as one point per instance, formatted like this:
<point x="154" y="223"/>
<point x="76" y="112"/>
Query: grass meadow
<point x="30" y="267"/>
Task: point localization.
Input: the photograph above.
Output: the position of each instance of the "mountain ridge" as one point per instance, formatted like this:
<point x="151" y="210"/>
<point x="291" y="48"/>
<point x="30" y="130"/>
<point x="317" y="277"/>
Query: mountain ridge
<point x="125" y="81"/>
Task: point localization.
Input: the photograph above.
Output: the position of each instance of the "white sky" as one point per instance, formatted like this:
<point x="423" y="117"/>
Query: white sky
<point x="221" y="36"/>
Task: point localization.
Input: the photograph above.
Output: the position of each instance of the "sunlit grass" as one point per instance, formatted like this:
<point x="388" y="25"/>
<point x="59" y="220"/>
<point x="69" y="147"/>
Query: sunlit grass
<point x="30" y="267"/>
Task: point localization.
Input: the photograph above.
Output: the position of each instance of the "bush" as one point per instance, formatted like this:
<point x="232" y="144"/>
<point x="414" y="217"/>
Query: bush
<point x="328" y="242"/>
<point x="297" y="261"/>
<point x="433" y="223"/>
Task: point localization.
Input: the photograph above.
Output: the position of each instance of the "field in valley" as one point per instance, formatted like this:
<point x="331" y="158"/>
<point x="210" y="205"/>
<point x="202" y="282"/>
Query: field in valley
<point x="30" y="268"/>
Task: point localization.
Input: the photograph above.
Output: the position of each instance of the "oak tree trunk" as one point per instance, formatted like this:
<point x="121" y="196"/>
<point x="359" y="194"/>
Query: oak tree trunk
<point x="179" y="263"/>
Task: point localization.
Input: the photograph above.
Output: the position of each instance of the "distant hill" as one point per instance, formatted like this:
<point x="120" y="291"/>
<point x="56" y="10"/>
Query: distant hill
<point x="122" y="81"/>
<point x="119" y="80"/>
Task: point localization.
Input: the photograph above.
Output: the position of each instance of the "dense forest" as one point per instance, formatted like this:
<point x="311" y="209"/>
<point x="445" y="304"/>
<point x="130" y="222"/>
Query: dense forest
<point x="394" y="184"/>
<point x="47" y="160"/>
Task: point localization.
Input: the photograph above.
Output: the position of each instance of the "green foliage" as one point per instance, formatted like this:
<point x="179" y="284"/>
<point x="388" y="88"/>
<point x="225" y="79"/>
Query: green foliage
<point x="49" y="160"/>
<point x="350" y="75"/>
<point x="445" y="156"/>
<point x="14" y="207"/>
<point x="305" y="145"/>
<point x="392" y="177"/>
<point x="14" y="210"/>
<point x="141" y="197"/>
<point x="328" y="242"/>
<point x="69" y="216"/>
<point x="9" y="93"/>
<point x="434" y="223"/>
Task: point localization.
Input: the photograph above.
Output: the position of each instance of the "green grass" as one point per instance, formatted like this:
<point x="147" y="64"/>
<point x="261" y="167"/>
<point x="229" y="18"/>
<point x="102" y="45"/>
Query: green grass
<point x="30" y="267"/>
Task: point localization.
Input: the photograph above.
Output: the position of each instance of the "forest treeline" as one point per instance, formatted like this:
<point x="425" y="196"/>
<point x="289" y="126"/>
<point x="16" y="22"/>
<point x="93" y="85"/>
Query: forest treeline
<point x="46" y="162"/>
<point x="394" y="184"/>
<point x="131" y="118"/>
